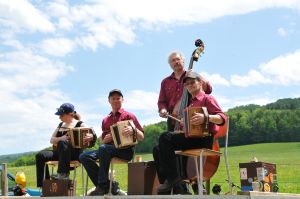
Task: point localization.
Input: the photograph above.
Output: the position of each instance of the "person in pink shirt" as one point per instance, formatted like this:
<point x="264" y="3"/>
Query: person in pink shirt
<point x="169" y="141"/>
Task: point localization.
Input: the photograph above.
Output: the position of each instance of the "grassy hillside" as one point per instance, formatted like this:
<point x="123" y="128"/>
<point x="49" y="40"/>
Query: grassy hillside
<point x="284" y="155"/>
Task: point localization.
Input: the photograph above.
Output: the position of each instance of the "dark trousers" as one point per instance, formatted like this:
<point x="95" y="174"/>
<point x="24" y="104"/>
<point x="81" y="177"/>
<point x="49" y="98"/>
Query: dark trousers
<point x="99" y="174"/>
<point x="64" y="154"/>
<point x="170" y="124"/>
<point x="169" y="143"/>
<point x="158" y="168"/>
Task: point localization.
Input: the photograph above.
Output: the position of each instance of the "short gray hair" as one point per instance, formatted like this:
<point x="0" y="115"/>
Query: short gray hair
<point x="175" y="53"/>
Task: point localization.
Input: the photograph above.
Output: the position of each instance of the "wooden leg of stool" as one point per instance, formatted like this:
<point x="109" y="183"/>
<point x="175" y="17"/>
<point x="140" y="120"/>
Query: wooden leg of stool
<point x="82" y="180"/>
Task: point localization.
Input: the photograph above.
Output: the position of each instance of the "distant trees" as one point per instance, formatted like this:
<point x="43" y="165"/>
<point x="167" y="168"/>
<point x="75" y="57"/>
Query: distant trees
<point x="275" y="122"/>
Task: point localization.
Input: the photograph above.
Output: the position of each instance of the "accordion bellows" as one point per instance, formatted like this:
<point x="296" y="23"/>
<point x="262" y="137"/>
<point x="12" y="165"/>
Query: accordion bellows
<point x="121" y="141"/>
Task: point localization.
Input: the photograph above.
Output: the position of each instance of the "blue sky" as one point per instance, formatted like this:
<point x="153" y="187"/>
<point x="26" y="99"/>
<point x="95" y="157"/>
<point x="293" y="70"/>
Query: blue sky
<point x="60" y="51"/>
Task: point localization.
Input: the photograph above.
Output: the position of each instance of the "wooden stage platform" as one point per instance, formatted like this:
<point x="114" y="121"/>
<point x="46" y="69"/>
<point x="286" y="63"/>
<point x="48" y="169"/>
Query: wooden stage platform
<point x="241" y="195"/>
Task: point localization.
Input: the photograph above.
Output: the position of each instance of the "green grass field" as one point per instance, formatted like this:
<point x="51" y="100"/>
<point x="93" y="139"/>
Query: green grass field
<point x="284" y="155"/>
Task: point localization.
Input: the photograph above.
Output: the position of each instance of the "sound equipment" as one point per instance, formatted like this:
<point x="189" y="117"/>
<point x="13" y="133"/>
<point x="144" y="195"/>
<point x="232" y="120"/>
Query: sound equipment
<point x="191" y="130"/>
<point x="77" y="134"/>
<point x="55" y="187"/>
<point x="121" y="141"/>
<point x="142" y="178"/>
<point x="258" y="176"/>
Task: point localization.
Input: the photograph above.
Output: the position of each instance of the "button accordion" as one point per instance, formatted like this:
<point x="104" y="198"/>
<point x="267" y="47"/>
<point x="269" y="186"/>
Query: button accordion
<point x="77" y="135"/>
<point x="121" y="141"/>
<point x="191" y="130"/>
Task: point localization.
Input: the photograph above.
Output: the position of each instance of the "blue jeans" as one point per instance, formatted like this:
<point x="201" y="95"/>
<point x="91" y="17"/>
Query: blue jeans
<point x="99" y="174"/>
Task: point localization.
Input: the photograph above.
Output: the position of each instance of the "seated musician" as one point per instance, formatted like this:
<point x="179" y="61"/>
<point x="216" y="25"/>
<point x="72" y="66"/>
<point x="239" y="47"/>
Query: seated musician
<point x="62" y="150"/>
<point x="169" y="142"/>
<point x="107" y="150"/>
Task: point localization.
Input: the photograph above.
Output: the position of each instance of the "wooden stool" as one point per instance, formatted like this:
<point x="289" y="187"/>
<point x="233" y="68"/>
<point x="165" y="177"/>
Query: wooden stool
<point x="73" y="164"/>
<point x="199" y="153"/>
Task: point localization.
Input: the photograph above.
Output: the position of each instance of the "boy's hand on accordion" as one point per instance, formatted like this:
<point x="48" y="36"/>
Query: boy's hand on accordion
<point x="88" y="138"/>
<point x="65" y="137"/>
<point x="197" y="119"/>
<point x="127" y="131"/>
<point x="107" y="138"/>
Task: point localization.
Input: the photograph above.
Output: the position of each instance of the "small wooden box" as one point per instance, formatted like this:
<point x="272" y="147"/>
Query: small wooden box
<point x="142" y="178"/>
<point x="259" y="172"/>
<point x="58" y="188"/>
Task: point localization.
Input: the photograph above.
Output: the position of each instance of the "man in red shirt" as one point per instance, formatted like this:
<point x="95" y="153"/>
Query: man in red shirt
<point x="172" y="87"/>
<point x="169" y="142"/>
<point x="107" y="150"/>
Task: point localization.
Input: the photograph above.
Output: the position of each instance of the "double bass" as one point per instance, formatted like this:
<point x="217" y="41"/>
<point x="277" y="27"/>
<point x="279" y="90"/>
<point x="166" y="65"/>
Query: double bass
<point x="211" y="163"/>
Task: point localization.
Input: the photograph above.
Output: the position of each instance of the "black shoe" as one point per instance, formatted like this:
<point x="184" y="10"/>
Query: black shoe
<point x="115" y="188"/>
<point x="181" y="188"/>
<point x="168" y="185"/>
<point x="195" y="189"/>
<point x="100" y="190"/>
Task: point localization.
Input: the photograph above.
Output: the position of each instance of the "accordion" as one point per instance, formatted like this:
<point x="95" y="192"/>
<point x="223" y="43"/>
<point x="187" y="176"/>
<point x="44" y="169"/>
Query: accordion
<point x="191" y="130"/>
<point x="121" y="141"/>
<point x="77" y="134"/>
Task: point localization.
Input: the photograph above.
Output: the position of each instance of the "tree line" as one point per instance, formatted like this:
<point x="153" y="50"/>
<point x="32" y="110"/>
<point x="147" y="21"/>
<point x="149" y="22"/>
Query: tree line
<point x="274" y="122"/>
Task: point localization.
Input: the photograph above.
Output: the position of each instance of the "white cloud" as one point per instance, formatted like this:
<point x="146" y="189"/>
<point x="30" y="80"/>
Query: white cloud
<point x="215" y="79"/>
<point x="105" y="22"/>
<point x="29" y="98"/>
<point x="22" y="14"/>
<point x="282" y="70"/>
<point x="282" y="32"/>
<point x="109" y="21"/>
<point x="141" y="100"/>
<point x="252" y="78"/>
<point x="58" y="46"/>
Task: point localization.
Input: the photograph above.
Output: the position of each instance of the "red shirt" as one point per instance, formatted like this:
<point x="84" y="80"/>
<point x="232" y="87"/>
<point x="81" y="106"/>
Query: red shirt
<point x="213" y="108"/>
<point x="171" y="91"/>
<point x="121" y="115"/>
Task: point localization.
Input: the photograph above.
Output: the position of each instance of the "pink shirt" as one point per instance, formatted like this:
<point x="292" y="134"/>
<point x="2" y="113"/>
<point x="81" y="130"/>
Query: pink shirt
<point x="121" y="115"/>
<point x="171" y="91"/>
<point x="213" y="108"/>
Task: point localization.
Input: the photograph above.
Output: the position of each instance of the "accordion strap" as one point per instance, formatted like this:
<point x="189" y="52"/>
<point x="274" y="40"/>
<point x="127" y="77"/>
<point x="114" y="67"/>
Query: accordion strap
<point x="206" y="120"/>
<point x="134" y="130"/>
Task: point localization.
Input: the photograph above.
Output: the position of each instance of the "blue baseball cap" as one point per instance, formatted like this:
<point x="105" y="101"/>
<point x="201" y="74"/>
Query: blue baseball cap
<point x="65" y="108"/>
